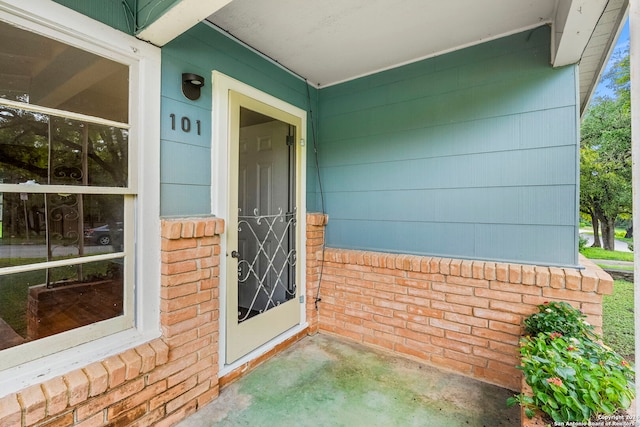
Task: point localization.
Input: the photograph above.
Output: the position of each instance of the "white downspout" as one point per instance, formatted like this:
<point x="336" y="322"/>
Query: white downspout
<point x="634" y="51"/>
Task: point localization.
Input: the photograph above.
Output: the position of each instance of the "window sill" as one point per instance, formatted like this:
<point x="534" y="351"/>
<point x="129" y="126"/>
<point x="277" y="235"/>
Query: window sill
<point x="45" y="368"/>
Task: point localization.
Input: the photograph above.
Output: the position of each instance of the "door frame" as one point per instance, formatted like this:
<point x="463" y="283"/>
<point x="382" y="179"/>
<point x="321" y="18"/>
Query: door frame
<point x="221" y="138"/>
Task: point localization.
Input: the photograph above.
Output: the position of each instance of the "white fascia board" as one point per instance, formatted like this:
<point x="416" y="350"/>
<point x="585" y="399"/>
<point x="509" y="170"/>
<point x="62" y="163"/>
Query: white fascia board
<point x="574" y="24"/>
<point x="178" y="19"/>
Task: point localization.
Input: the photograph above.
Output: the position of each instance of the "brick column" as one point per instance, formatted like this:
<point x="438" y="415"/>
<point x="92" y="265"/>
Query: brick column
<point x="190" y="307"/>
<point x="316" y="223"/>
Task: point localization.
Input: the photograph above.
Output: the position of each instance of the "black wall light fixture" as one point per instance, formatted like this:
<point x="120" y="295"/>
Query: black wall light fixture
<point x="191" y="84"/>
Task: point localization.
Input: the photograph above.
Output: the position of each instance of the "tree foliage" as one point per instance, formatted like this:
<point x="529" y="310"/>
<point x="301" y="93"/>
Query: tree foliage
<point x="605" y="156"/>
<point x="47" y="149"/>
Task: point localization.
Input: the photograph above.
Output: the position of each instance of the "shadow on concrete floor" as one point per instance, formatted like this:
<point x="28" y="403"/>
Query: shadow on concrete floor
<point x="327" y="381"/>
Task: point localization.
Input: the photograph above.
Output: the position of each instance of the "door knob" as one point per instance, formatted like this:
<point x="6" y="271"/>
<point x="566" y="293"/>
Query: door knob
<point x="235" y="254"/>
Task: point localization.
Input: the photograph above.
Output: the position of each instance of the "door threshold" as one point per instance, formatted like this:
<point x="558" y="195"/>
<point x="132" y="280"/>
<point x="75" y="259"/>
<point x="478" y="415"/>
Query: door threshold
<point x="229" y="373"/>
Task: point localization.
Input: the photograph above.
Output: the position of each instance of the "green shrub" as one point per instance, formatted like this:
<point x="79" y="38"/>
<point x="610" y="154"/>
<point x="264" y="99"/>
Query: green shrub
<point x="582" y="242"/>
<point x="571" y="375"/>
<point x="559" y="317"/>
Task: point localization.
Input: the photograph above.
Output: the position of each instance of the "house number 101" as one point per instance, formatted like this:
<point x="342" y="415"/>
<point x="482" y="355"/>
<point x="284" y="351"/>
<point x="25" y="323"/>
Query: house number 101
<point x="185" y="124"/>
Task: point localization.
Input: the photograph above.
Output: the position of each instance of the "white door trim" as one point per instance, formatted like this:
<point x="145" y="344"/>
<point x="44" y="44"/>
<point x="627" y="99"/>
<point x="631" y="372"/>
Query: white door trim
<point x="220" y="133"/>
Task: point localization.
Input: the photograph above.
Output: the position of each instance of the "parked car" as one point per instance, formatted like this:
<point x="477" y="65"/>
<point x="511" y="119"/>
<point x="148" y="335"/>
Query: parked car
<point x="103" y="235"/>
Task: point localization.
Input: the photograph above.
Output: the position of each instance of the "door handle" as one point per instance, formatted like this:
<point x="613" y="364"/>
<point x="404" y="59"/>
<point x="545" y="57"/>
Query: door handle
<point x="235" y="254"/>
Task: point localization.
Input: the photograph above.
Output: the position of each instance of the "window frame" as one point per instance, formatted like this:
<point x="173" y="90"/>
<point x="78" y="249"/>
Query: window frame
<point x="82" y="346"/>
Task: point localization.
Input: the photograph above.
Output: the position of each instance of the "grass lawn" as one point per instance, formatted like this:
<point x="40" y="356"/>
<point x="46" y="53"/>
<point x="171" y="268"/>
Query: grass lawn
<point x="618" y="326"/>
<point x="599" y="253"/>
<point x="14" y="293"/>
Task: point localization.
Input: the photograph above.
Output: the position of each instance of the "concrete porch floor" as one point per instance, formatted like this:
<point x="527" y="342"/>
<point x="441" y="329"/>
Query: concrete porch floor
<point x="327" y="381"/>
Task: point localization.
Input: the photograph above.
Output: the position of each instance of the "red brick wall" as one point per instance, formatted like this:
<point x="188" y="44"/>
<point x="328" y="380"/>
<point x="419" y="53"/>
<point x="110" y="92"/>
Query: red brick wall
<point x="157" y="383"/>
<point x="461" y="315"/>
<point x="315" y="242"/>
<point x="465" y="316"/>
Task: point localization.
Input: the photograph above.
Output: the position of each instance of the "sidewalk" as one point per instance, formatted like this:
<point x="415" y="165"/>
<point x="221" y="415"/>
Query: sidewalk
<point x="619" y="245"/>
<point x="613" y="262"/>
<point x="617" y="269"/>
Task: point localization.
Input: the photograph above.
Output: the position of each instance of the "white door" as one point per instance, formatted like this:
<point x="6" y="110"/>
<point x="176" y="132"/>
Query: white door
<point x="262" y="286"/>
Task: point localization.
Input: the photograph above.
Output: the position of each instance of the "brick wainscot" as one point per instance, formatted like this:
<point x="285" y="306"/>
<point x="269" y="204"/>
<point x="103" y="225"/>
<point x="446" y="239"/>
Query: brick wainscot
<point x="157" y="383"/>
<point x="460" y="315"/>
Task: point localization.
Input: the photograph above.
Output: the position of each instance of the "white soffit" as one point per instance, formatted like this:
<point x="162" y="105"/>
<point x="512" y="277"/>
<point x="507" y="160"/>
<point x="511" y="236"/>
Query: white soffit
<point x="574" y="24"/>
<point x="599" y="48"/>
<point x="182" y="16"/>
<point x="332" y="41"/>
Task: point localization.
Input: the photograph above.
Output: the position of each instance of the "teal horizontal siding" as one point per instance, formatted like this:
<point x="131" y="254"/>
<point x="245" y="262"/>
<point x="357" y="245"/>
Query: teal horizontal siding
<point x="172" y="97"/>
<point x="185" y="115"/>
<point x="203" y="49"/>
<point x="534" y="244"/>
<point x="537" y="129"/>
<point x="109" y="12"/>
<point x="186" y="157"/>
<point x="470" y="155"/>
<point x="176" y="199"/>
<point x="151" y="10"/>
<point x="116" y="15"/>
<point x="550" y="166"/>
<point x="425" y="238"/>
<point x="454" y="240"/>
<point x="518" y="96"/>
<point x="185" y="164"/>
<point x="519" y="205"/>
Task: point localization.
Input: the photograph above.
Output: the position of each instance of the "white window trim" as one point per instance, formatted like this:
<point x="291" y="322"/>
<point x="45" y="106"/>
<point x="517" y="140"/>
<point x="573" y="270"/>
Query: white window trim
<point x="55" y="21"/>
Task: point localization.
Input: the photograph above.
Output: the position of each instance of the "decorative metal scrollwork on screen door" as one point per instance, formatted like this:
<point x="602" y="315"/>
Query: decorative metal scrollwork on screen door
<point x="268" y="272"/>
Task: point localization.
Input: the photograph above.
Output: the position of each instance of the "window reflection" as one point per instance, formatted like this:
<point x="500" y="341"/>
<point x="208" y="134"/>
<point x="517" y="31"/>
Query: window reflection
<point x="63" y="128"/>
<point x="53" y="150"/>
<point x="37" y="304"/>
<point x="39" y="228"/>
<point x="45" y="72"/>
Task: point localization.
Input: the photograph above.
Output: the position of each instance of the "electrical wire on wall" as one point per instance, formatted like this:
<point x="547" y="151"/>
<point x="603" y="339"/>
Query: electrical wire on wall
<point x="131" y="14"/>
<point x="315" y="152"/>
<point x="134" y="15"/>
<point x="313" y="131"/>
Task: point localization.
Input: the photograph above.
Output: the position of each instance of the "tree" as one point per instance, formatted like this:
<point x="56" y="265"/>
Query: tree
<point x="605" y="156"/>
<point x="49" y="150"/>
<point x="53" y="150"/>
<point x="619" y="78"/>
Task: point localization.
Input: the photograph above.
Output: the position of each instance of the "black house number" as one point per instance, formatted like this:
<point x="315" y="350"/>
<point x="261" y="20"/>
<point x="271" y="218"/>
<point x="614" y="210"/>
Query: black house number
<point x="185" y="124"/>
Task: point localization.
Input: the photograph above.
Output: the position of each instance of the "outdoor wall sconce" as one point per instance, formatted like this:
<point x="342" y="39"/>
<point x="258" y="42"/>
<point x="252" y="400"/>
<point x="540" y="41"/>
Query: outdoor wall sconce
<point x="191" y="85"/>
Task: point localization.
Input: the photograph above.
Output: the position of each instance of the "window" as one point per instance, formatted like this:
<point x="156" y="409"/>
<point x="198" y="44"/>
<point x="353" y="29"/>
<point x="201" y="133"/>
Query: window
<point x="65" y="244"/>
<point x="71" y="124"/>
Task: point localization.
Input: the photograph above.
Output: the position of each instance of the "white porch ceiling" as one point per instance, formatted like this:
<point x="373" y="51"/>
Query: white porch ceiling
<point x="332" y="41"/>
